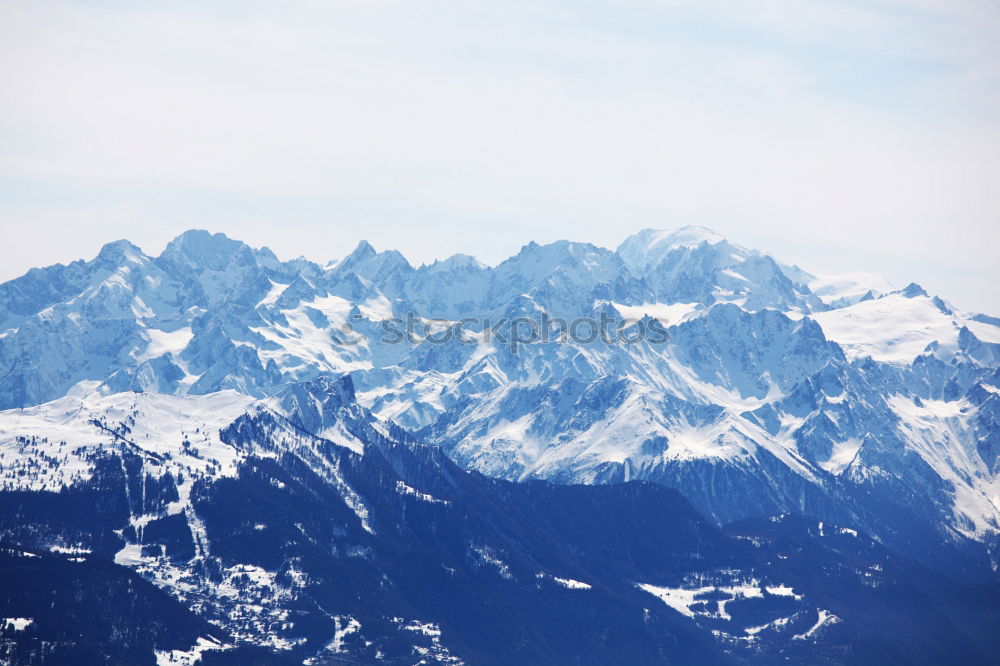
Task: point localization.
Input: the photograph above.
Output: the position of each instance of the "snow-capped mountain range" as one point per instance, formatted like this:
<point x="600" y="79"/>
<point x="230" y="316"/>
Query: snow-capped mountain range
<point x="773" y="392"/>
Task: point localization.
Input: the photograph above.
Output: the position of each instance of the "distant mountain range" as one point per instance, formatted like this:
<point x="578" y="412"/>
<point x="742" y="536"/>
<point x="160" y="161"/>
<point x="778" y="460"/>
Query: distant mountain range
<point x="800" y="469"/>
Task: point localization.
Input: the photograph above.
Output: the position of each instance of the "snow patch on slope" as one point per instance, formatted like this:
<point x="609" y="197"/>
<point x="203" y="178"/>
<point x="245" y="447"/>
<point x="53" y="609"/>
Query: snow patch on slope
<point x="894" y="329"/>
<point x="668" y="314"/>
<point x="938" y="431"/>
<point x="190" y="656"/>
<point x="697" y="600"/>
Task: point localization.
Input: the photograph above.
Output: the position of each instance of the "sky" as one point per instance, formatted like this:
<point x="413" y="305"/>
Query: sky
<point x="840" y="136"/>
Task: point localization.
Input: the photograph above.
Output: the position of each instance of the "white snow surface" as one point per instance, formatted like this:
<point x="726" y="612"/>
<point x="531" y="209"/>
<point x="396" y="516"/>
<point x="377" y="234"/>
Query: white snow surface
<point x="64" y="430"/>
<point x="17" y="623"/>
<point x="571" y="584"/>
<point x="190" y="656"/>
<point x="668" y="314"/>
<point x="849" y="288"/>
<point x="896" y="329"/>
<point x="165" y="342"/>
<point x="691" y="600"/>
<point x="824" y="618"/>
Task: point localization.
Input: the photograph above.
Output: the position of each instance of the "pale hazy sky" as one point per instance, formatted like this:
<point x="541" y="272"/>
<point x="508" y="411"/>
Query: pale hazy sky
<point x="841" y="136"/>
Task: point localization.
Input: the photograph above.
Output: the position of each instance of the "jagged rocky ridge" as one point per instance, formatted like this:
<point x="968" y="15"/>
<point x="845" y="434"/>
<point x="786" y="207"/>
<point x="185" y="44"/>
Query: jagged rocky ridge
<point x="836" y="397"/>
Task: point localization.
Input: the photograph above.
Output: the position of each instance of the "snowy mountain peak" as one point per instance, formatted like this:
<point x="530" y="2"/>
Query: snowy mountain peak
<point x="120" y="252"/>
<point x="686" y="236"/>
<point x="198" y="250"/>
<point x="913" y="290"/>
<point x="557" y="250"/>
<point x="455" y="262"/>
<point x="649" y="246"/>
<point x="360" y="254"/>
<point x="371" y="265"/>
